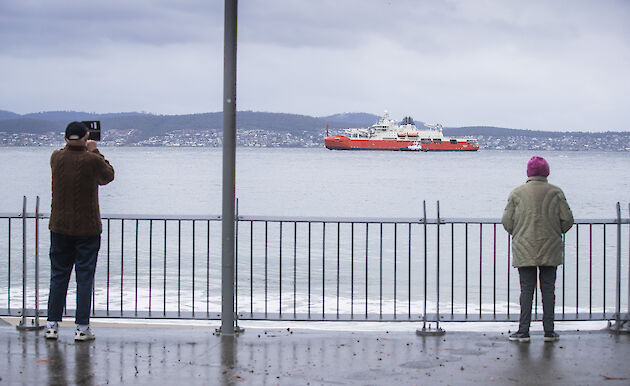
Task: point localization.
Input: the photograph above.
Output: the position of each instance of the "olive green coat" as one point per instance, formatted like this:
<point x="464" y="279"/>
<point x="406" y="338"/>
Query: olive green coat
<point x="537" y="214"/>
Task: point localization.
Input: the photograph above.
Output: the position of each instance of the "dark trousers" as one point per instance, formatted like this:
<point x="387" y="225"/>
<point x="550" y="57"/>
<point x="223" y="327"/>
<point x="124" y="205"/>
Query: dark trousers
<point x="527" y="277"/>
<point x="66" y="252"/>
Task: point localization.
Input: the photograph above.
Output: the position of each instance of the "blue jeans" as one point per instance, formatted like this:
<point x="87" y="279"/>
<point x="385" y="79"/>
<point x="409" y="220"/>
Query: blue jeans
<point x="527" y="277"/>
<point x="66" y="252"/>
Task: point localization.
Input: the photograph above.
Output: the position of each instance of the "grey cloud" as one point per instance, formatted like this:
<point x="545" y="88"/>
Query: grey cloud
<point x="424" y="26"/>
<point x="73" y="27"/>
<point x="430" y="26"/>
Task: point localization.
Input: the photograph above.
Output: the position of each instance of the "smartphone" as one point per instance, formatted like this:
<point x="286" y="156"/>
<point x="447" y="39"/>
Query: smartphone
<point x="94" y="127"/>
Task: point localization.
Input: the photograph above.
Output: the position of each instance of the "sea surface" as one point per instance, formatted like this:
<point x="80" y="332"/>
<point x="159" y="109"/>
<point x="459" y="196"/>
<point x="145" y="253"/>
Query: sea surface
<point x="321" y="182"/>
<point x="338" y="268"/>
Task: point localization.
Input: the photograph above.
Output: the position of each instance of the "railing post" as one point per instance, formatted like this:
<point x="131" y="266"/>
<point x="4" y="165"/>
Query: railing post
<point x="23" y="325"/>
<point x="439" y="330"/>
<point x="429" y="331"/>
<point x="236" y="327"/>
<point x="37" y="263"/>
<point x="424" y="221"/>
<point x="618" y="278"/>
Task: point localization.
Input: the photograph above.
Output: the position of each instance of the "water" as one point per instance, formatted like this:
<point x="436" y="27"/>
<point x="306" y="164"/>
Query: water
<point x="315" y="182"/>
<point x="320" y="182"/>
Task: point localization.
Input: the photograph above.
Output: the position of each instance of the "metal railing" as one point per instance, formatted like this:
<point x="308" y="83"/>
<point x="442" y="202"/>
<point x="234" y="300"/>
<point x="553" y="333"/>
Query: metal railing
<point x="320" y="269"/>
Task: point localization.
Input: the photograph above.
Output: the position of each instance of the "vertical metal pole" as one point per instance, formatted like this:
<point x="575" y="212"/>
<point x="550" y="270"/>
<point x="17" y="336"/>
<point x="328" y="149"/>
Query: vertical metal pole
<point x="380" y="270"/>
<point x="229" y="167"/>
<point x="193" y="268"/>
<point x="453" y="269"/>
<point x="604" y="271"/>
<point x="163" y="279"/>
<point x="577" y="269"/>
<point x="136" y="300"/>
<point x="366" y="269"/>
<point x="408" y="272"/>
<point x="207" y="272"/>
<point x="9" y="267"/>
<point x="424" y="220"/>
<point x="150" y="262"/>
<point x="509" y="260"/>
<point x="266" y="267"/>
<point x="480" y="269"/>
<point x="466" y="272"/>
<point x="280" y="272"/>
<point x="338" y="263"/>
<point x="37" y="262"/>
<point x="179" y="267"/>
<point x="437" y="268"/>
<point x="122" y="265"/>
<point x="618" y="303"/>
<point x="236" y="265"/>
<point x="352" y="272"/>
<point x="323" y="271"/>
<point x="309" y="270"/>
<point x="108" y="255"/>
<point x="395" y="264"/>
<point x="23" y="321"/>
<point x="295" y="269"/>
<point x="251" y="268"/>
<point x="590" y="270"/>
<point x="494" y="271"/>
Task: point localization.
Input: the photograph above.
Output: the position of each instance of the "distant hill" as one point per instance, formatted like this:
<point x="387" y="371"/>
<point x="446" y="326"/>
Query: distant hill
<point x="148" y="125"/>
<point x="47" y="121"/>
<point x="30" y="125"/>
<point x="8" y="115"/>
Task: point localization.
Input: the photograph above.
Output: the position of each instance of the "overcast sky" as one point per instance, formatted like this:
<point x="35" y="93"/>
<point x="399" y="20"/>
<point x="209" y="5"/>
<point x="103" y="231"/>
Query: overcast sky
<point x="547" y="65"/>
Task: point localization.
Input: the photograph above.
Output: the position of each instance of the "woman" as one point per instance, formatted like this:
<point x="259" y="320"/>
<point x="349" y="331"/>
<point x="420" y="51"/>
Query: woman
<point x="537" y="215"/>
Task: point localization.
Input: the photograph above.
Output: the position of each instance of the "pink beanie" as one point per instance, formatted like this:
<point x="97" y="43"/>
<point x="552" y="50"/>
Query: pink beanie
<point x="537" y="166"/>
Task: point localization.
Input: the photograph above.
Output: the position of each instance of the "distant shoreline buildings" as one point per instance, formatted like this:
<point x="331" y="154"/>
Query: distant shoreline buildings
<point x="270" y="130"/>
<point x="609" y="141"/>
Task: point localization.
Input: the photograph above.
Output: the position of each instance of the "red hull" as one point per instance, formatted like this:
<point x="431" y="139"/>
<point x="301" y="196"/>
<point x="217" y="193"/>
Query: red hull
<point x="341" y="142"/>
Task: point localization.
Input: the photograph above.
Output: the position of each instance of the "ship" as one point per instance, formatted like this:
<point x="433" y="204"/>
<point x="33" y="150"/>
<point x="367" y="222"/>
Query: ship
<point x="387" y="134"/>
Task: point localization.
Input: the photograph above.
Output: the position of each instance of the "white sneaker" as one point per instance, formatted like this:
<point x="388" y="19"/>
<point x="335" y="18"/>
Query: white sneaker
<point x="51" y="333"/>
<point x="84" y="335"/>
<point x="51" y="330"/>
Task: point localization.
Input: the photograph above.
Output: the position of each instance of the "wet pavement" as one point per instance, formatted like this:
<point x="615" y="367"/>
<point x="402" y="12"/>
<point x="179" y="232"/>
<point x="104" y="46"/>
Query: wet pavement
<point x="159" y="354"/>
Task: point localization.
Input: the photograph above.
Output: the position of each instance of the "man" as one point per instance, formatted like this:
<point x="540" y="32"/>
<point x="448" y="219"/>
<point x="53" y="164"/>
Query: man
<point x="75" y="226"/>
<point x="537" y="214"/>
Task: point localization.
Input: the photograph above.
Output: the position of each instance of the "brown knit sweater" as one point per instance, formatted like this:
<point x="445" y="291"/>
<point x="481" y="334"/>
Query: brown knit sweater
<point x="76" y="175"/>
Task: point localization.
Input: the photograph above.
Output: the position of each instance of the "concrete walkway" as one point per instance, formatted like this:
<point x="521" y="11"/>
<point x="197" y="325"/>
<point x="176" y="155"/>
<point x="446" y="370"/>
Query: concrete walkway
<point x="309" y="354"/>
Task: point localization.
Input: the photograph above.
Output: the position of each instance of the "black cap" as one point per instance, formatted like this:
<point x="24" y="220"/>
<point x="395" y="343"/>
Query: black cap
<point x="76" y="130"/>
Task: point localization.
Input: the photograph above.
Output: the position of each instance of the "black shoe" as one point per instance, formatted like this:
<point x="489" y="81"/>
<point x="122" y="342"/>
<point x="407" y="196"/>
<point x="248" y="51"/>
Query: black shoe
<point x="551" y="337"/>
<point x="519" y="337"/>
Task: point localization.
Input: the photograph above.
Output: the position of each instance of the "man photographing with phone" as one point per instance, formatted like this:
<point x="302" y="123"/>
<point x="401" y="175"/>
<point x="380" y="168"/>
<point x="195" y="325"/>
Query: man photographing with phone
<point x="75" y="225"/>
